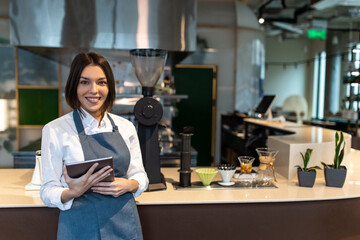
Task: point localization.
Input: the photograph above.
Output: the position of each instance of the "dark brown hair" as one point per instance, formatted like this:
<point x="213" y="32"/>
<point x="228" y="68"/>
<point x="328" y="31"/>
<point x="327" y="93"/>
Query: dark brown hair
<point x="79" y="63"/>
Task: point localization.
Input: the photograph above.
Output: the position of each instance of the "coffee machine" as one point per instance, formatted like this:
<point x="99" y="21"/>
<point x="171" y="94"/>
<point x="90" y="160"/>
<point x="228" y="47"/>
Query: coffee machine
<point x="148" y="65"/>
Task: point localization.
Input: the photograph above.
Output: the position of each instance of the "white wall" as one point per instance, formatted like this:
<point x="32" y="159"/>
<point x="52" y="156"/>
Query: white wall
<point x="295" y="77"/>
<point x="289" y="79"/>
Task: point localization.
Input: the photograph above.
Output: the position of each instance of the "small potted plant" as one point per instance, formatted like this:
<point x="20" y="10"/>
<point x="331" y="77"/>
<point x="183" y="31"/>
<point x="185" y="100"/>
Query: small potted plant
<point x="306" y="175"/>
<point x="335" y="173"/>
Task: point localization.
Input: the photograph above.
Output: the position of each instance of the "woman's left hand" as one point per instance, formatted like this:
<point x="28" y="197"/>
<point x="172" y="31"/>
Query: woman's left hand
<point x="116" y="188"/>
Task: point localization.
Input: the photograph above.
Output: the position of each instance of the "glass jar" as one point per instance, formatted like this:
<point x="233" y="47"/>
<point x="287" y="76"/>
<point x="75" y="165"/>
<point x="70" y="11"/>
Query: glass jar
<point x="266" y="172"/>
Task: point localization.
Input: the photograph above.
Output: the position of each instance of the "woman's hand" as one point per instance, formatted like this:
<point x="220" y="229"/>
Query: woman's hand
<point x="77" y="186"/>
<point x="116" y="188"/>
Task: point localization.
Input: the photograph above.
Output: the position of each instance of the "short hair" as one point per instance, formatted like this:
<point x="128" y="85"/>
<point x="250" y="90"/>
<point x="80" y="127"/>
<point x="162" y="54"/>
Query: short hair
<point x="80" y="62"/>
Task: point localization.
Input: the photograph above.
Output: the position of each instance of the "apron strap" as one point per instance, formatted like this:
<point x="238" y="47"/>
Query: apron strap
<point x="78" y="123"/>
<point x="80" y="126"/>
<point x="115" y="128"/>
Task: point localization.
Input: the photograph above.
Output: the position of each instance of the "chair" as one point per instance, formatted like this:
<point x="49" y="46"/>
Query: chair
<point x="298" y="105"/>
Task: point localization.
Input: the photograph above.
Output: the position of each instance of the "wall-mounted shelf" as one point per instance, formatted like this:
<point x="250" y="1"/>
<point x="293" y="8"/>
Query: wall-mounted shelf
<point x="38" y="94"/>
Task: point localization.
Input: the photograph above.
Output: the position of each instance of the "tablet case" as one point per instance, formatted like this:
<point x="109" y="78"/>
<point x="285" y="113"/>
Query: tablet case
<point x="78" y="169"/>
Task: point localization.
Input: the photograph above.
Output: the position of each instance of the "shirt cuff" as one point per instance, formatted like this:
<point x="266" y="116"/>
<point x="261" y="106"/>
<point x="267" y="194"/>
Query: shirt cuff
<point x="142" y="187"/>
<point x="59" y="204"/>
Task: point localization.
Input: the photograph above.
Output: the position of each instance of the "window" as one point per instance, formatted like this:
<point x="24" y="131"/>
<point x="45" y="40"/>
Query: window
<point x="319" y="86"/>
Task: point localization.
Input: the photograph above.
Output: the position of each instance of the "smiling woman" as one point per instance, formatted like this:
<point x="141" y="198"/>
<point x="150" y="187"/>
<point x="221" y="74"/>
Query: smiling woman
<point x="92" y="209"/>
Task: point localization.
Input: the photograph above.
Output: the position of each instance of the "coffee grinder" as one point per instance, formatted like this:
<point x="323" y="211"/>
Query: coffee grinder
<point x="148" y="65"/>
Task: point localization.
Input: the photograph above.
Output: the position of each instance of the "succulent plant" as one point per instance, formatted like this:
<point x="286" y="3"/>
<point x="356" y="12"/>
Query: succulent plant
<point x="306" y="159"/>
<point x="339" y="154"/>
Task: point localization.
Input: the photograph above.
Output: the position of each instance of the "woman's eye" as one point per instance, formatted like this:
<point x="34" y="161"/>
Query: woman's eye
<point x="102" y="83"/>
<point x="84" y="82"/>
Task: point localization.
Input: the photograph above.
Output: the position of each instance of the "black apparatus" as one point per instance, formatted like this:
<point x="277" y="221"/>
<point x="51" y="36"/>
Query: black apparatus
<point x="148" y="65"/>
<point x="185" y="155"/>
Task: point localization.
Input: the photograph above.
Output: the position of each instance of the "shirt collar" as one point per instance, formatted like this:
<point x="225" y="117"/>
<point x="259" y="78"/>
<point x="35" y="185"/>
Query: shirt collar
<point x="89" y="120"/>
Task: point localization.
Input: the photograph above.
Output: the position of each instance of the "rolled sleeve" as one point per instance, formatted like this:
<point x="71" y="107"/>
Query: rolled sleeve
<point x="55" y="199"/>
<point x="51" y="164"/>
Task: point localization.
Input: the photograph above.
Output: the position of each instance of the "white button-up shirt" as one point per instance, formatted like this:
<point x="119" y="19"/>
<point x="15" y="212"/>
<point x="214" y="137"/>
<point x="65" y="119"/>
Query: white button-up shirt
<point x="61" y="145"/>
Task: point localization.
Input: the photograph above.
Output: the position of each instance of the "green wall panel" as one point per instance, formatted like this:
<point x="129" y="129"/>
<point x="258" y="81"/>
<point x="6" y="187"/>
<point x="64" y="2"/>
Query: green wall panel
<point x="196" y="110"/>
<point x="38" y="106"/>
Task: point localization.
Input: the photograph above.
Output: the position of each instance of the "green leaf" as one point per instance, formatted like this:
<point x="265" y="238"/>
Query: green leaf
<point x="306" y="161"/>
<point x="341" y="138"/>
<point x="336" y="138"/>
<point x="298" y="166"/>
<point x="313" y="168"/>
<point x="303" y="157"/>
<point x="324" y="164"/>
<point x="338" y="157"/>
<point x="306" y="158"/>
<point x="310" y="152"/>
<point x="339" y="154"/>
<point x="341" y="157"/>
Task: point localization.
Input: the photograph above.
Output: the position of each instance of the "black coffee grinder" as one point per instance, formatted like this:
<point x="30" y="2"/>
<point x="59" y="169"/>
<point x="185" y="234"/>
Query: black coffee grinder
<point x="148" y="65"/>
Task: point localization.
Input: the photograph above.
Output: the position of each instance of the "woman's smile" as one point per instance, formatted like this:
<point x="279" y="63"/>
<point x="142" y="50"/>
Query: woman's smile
<point x="93" y="100"/>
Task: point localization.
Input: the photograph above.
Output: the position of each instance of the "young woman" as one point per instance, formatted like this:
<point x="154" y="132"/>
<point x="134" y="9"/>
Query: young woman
<point x="91" y="209"/>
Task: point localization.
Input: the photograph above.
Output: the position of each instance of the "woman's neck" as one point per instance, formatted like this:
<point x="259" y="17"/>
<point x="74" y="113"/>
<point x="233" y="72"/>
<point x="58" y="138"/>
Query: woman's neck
<point x="97" y="115"/>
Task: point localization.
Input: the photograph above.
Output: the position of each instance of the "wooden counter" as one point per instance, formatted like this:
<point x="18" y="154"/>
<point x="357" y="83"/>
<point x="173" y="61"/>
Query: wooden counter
<point x="320" y="212"/>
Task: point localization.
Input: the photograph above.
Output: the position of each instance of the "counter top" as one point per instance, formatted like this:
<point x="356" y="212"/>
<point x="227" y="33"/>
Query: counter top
<point x="13" y="194"/>
<point x="298" y="133"/>
<point x="296" y="139"/>
<point x="12" y="189"/>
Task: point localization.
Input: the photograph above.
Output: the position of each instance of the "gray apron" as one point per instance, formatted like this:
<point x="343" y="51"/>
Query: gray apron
<point x="97" y="216"/>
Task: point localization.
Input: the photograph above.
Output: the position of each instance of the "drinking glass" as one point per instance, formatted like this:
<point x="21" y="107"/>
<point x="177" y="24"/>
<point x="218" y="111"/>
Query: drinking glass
<point x="246" y="163"/>
<point x="245" y="177"/>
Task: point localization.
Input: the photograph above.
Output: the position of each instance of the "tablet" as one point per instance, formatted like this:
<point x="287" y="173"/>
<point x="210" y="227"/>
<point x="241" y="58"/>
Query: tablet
<point x="78" y="169"/>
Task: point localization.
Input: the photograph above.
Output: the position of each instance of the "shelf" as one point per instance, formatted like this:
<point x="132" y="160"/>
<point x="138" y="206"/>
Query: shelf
<point x="351" y="79"/>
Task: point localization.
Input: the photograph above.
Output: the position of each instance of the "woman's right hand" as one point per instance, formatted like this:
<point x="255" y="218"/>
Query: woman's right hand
<point x="77" y="186"/>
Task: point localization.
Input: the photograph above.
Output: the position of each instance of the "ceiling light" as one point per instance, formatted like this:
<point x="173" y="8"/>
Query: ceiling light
<point x="261" y="20"/>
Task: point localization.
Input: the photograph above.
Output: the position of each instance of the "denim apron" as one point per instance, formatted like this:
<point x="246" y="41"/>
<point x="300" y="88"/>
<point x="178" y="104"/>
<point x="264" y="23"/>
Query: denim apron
<point x="97" y="216"/>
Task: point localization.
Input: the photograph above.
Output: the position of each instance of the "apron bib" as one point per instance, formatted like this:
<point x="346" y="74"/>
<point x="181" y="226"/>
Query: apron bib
<point x="97" y="216"/>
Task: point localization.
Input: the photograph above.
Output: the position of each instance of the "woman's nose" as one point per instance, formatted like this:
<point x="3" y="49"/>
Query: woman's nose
<point x="93" y="88"/>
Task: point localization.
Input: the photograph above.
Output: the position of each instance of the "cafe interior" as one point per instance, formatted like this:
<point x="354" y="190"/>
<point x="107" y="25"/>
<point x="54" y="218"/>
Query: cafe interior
<point x="232" y="77"/>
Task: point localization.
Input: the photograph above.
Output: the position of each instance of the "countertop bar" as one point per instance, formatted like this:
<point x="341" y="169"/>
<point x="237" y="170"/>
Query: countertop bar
<point x="297" y="138"/>
<point x="325" y="212"/>
<point x="13" y="194"/>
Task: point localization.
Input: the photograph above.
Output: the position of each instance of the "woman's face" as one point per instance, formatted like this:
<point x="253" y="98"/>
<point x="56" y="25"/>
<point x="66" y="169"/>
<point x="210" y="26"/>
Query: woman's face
<point x="92" y="90"/>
